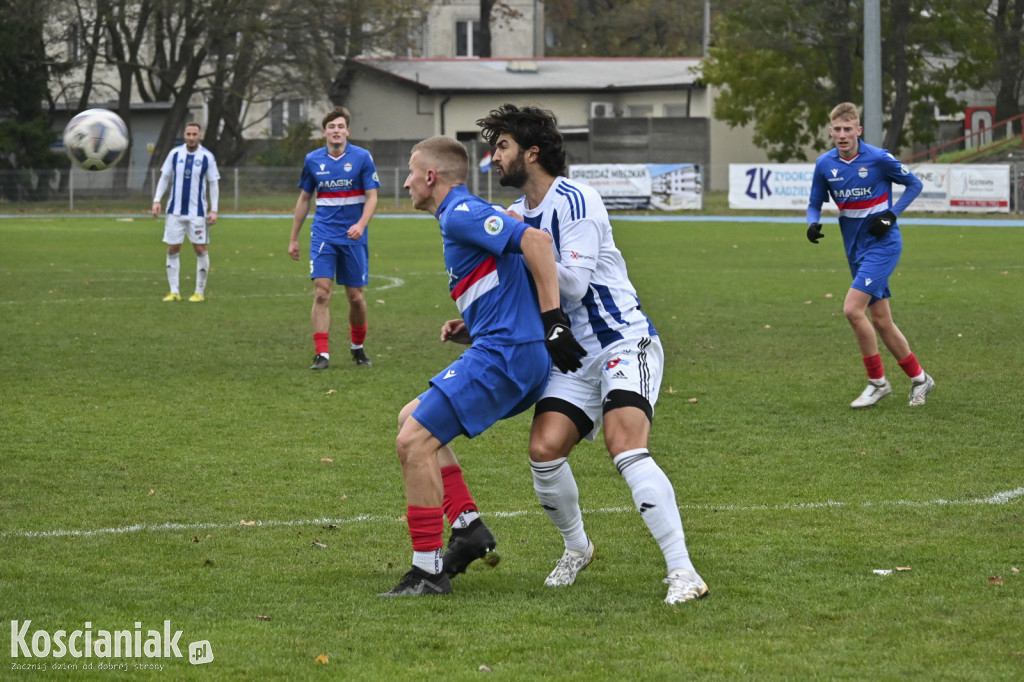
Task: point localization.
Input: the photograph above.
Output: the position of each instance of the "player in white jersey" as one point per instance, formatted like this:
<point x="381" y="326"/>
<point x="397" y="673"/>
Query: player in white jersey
<point x="621" y="374"/>
<point x="191" y="209"/>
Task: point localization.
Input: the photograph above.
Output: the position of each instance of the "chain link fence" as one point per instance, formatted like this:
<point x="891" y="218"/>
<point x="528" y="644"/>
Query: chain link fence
<point x="242" y="189"/>
<point x="255" y="188"/>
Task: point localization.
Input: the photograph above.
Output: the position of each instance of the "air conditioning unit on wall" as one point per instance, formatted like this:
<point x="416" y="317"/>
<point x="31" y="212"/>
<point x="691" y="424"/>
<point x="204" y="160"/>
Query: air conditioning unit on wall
<point x="602" y="110"/>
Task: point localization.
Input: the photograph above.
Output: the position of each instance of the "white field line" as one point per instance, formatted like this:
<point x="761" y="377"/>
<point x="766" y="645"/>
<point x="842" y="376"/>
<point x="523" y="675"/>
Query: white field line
<point x="998" y="498"/>
<point x="390" y="283"/>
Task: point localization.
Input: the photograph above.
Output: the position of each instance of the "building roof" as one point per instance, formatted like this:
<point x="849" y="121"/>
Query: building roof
<point x="536" y="75"/>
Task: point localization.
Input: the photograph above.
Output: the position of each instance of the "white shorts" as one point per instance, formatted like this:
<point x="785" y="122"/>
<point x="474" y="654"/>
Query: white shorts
<point x="177" y="226"/>
<point x="634" y="365"/>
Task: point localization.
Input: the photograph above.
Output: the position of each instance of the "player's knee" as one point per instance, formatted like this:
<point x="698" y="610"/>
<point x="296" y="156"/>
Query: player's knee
<point x="546" y="449"/>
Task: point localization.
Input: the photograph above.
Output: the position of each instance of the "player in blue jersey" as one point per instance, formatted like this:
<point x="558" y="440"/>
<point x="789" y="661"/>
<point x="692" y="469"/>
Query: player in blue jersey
<point x="191" y="172"/>
<point x="501" y="374"/>
<point x="859" y="178"/>
<point x="345" y="182"/>
<point x="621" y="374"/>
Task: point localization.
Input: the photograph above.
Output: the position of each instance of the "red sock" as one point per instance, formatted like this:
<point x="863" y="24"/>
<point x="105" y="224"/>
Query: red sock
<point x="320" y="343"/>
<point x="358" y="335"/>
<point x="911" y="366"/>
<point x="874" y="366"/>
<point x="426" y="526"/>
<point x="456" y="495"/>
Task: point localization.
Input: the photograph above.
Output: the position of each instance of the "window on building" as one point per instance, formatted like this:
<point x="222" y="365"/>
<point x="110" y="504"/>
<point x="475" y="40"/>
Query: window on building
<point x="74" y="43"/>
<point x="285" y="113"/>
<point x="676" y="111"/>
<point x="467" y="38"/>
<point x="640" y="111"/>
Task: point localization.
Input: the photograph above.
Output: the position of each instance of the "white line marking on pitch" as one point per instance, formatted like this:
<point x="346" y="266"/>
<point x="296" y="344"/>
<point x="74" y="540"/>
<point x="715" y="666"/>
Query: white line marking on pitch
<point x="999" y="498"/>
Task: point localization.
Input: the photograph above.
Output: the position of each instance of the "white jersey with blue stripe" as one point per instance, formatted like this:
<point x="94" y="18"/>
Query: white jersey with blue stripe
<point x="189" y="173"/>
<point x="577" y="220"/>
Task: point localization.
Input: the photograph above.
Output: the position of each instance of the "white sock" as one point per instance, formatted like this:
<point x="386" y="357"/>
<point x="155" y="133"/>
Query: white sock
<point x="464" y="519"/>
<point x="656" y="501"/>
<point x="202" y="269"/>
<point x="560" y="497"/>
<point x="428" y="561"/>
<point x="173" y="268"/>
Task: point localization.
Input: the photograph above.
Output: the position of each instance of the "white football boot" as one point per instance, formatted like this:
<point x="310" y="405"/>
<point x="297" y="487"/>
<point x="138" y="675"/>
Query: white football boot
<point x="919" y="390"/>
<point x="569" y="566"/>
<point x="876" y="390"/>
<point x="683" y="586"/>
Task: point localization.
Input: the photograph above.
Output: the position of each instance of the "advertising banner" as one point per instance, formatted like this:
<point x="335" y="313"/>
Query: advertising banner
<point x="669" y="186"/>
<point x="946" y="187"/>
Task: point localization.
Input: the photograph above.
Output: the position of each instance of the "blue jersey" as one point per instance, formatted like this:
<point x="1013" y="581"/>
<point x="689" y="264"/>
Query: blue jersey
<point x="486" y="276"/>
<point x="340" y="184"/>
<point x="862" y="189"/>
<point x="189" y="173"/>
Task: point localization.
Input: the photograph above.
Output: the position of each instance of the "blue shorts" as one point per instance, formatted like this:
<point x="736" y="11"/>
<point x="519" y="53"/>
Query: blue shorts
<point x="871" y="271"/>
<point x="347" y="264"/>
<point x="481" y="387"/>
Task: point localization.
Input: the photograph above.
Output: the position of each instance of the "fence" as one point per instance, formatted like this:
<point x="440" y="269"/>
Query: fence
<point x="256" y="188"/>
<point x="242" y="189"/>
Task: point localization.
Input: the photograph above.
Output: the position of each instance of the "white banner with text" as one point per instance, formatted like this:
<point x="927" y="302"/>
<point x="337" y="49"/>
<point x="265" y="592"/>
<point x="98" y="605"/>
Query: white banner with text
<point x="947" y="187"/>
<point x="666" y="186"/>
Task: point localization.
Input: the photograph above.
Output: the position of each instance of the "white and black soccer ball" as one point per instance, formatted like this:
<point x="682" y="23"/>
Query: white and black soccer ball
<point x="96" y="139"/>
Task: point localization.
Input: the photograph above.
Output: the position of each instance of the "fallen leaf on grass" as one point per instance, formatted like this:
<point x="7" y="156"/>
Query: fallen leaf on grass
<point x="767" y="326"/>
<point x="195" y="538"/>
<point x="262" y="617"/>
<point x="484" y="669"/>
<point x="995" y="580"/>
<point x="326" y="459"/>
<point x="828" y="295"/>
<point x="402" y="518"/>
<point x="380" y="300"/>
<point x="151" y="491"/>
<point x="317" y="543"/>
<point x="322" y="658"/>
<point x="243" y="522"/>
<point x="693" y="400"/>
<point x="903" y="568"/>
<point x="331" y="392"/>
<point x="1015" y="569"/>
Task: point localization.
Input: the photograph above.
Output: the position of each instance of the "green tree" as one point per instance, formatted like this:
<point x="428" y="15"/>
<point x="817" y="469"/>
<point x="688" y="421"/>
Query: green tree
<point x="782" y="66"/>
<point x="25" y="125"/>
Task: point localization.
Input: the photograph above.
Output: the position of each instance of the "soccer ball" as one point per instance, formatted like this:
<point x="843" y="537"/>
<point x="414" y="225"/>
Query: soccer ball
<point x="96" y="139"/>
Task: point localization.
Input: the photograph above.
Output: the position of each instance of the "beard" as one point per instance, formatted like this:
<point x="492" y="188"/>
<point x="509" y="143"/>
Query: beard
<point x="513" y="174"/>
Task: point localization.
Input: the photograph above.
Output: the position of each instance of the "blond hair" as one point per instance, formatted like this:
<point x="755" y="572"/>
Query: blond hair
<point x="847" y="111"/>
<point x="447" y="156"/>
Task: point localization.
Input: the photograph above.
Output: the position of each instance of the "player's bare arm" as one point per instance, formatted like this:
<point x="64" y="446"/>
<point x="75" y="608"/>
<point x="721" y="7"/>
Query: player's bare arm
<point x="356" y="231"/>
<point x="301" y="211"/>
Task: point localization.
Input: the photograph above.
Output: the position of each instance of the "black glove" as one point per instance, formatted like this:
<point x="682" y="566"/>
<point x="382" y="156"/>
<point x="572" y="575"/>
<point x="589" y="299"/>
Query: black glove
<point x="814" y="232"/>
<point x="881" y="224"/>
<point x="563" y="347"/>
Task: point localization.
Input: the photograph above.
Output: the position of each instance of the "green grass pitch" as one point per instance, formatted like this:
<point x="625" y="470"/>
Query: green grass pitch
<point x="139" y="440"/>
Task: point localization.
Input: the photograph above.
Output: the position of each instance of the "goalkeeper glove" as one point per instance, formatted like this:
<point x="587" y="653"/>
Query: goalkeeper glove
<point x="814" y="232"/>
<point x="563" y="347"/>
<point x="881" y="224"/>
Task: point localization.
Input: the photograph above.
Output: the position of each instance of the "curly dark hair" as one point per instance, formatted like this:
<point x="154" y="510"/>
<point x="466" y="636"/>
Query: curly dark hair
<point x="529" y="127"/>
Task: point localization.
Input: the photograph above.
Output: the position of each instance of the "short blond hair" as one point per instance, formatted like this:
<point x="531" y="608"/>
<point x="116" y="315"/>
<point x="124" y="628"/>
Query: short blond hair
<point x="447" y="156"/>
<point x="847" y="111"/>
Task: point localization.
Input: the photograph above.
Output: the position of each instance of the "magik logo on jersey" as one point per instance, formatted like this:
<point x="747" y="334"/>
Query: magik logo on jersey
<point x="329" y="185"/>
<point x="854" y="193"/>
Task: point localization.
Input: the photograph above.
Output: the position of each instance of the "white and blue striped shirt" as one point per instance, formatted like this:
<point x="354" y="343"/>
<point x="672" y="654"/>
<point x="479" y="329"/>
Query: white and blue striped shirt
<point x="602" y="305"/>
<point x="189" y="174"/>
